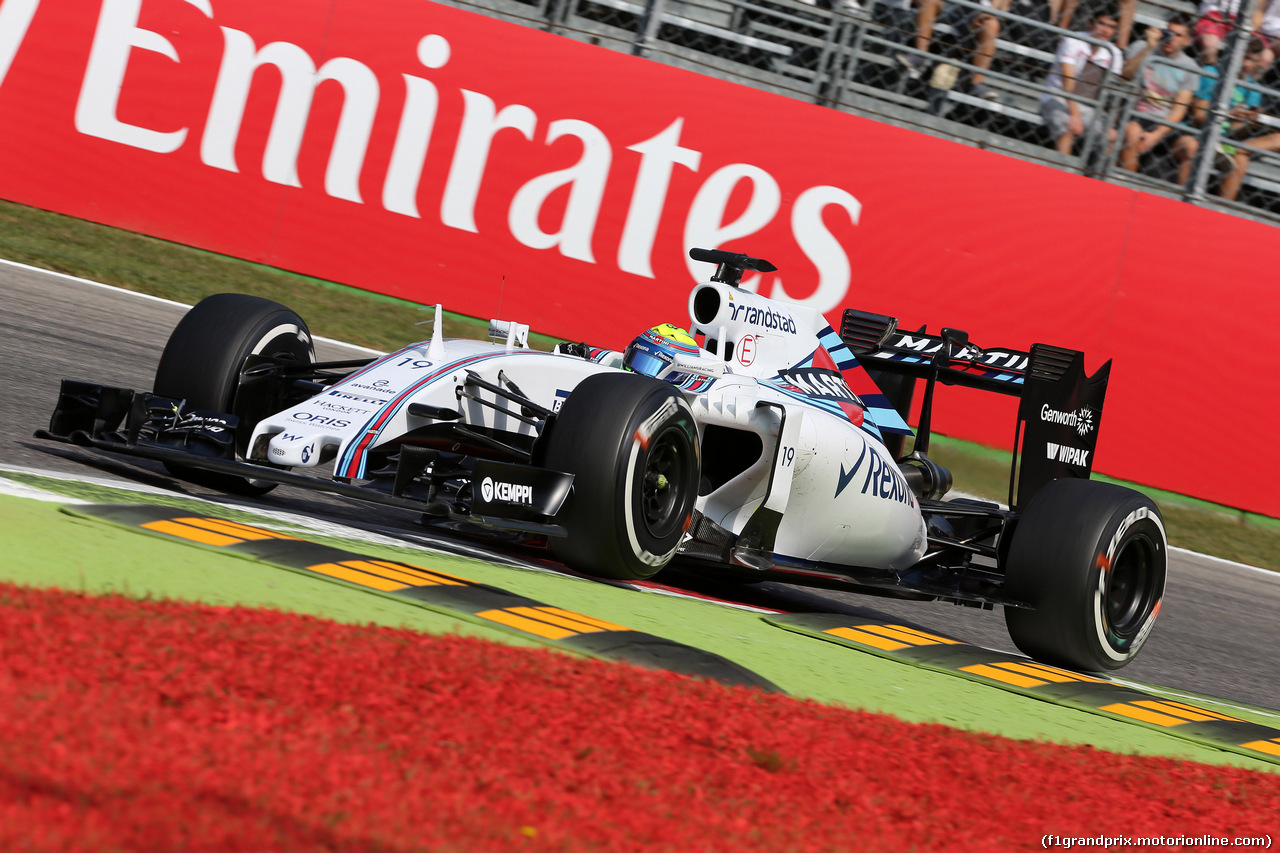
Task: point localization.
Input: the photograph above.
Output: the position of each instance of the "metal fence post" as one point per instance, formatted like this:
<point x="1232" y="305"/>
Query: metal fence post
<point x="842" y="61"/>
<point x="1126" y="95"/>
<point x="1237" y="44"/>
<point x="555" y="12"/>
<point x="647" y="32"/>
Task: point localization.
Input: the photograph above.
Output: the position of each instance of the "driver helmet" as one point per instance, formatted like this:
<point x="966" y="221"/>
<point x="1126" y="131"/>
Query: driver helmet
<point x="652" y="352"/>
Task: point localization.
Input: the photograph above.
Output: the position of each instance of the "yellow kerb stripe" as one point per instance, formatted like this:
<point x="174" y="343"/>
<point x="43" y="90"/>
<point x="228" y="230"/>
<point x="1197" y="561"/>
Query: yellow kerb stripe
<point x="866" y="639"/>
<point x="1214" y="714"/>
<point x="1135" y="712"/>
<point x="384" y="570"/>
<point x="1271" y="747"/>
<point x="1051" y="673"/>
<point x="233" y="528"/>
<point x="529" y="626"/>
<point x="194" y="534"/>
<point x="440" y="577"/>
<point x="568" y="619"/>
<point x="373" y="581"/>
<point x="426" y="574"/>
<point x="1189" y="713"/>
<point x="1003" y="675"/>
<point x="397" y="572"/>
<point x="910" y="636"/>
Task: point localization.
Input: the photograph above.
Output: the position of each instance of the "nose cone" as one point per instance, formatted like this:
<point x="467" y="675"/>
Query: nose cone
<point x="294" y="450"/>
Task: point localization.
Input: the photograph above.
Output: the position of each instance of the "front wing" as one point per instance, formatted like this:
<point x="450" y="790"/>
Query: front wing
<point x="505" y="495"/>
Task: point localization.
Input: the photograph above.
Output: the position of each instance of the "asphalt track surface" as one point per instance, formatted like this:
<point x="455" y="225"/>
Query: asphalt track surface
<point x="1217" y="634"/>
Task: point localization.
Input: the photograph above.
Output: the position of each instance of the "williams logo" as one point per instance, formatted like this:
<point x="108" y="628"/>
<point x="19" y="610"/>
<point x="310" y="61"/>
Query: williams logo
<point x="1081" y="419"/>
<point x="513" y="493"/>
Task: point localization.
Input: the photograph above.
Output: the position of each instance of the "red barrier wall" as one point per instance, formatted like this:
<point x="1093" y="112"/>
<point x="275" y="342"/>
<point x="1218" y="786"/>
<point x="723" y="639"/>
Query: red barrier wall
<point x="441" y="156"/>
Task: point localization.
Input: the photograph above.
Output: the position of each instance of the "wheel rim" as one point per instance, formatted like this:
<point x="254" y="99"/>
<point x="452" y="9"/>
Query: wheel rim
<point x="665" y="482"/>
<point x="1132" y="587"/>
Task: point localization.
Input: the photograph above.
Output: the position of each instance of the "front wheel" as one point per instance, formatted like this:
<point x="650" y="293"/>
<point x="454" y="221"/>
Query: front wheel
<point x="202" y="365"/>
<point x="632" y="446"/>
<point x="1091" y="559"/>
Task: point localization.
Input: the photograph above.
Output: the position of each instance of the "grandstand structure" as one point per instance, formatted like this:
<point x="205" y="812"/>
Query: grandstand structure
<point x="848" y="55"/>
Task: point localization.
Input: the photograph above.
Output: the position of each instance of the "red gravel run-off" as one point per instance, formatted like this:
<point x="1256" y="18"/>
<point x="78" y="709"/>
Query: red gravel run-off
<point x="129" y="725"/>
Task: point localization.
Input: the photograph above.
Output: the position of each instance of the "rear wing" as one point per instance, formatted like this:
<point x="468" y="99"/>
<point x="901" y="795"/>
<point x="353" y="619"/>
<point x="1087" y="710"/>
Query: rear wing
<point x="1060" y="407"/>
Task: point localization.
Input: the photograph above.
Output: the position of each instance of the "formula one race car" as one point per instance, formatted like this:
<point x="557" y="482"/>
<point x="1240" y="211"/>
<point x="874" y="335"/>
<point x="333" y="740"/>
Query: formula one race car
<point x="760" y="444"/>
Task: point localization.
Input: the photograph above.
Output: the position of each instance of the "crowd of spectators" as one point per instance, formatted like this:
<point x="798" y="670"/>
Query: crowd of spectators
<point x="981" y="27"/>
<point x="1175" y="93"/>
<point x="1114" y="90"/>
<point x="1169" y="71"/>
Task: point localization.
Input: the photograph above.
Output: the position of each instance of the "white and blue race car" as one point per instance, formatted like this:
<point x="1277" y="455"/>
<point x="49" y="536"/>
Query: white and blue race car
<point x="761" y="444"/>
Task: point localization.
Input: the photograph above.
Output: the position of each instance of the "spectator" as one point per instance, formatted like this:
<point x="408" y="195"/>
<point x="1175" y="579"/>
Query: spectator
<point x="1066" y="9"/>
<point x="1031" y="26"/>
<point x="1167" y="81"/>
<point x="1242" y="114"/>
<point x="1232" y="181"/>
<point x="984" y="29"/>
<point x="1266" y="24"/>
<point x="1079" y="68"/>
<point x="1217" y="17"/>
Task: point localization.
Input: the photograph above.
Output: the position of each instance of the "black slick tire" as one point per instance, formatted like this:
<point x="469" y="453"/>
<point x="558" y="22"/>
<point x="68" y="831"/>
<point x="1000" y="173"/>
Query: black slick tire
<point x="202" y="362"/>
<point x="632" y="445"/>
<point x="1091" y="559"/>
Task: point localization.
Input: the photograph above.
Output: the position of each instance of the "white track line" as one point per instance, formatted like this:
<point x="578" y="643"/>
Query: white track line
<point x="161" y="300"/>
<point x="1222" y="561"/>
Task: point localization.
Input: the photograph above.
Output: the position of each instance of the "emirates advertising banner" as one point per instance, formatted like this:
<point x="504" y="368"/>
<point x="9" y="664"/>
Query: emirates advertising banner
<point x="440" y="156"/>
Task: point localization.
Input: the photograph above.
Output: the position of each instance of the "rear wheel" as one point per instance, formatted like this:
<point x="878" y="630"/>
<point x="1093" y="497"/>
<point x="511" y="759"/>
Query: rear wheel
<point x="202" y="365"/>
<point x="632" y="446"/>
<point x="1091" y="559"/>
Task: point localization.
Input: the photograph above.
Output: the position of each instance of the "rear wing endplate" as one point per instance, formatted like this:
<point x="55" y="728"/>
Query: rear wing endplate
<point x="1060" y="408"/>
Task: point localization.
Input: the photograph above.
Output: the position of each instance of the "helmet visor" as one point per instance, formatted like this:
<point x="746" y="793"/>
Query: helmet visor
<point x="642" y="360"/>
